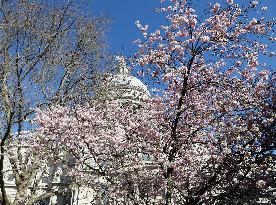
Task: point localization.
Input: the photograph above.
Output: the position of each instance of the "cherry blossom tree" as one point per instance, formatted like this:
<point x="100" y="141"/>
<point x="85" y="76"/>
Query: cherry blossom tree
<point x="209" y="138"/>
<point x="217" y="91"/>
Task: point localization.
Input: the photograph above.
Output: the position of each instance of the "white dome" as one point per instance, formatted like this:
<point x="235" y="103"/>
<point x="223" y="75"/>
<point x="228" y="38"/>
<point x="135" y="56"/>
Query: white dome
<point x="129" y="81"/>
<point x="123" y="87"/>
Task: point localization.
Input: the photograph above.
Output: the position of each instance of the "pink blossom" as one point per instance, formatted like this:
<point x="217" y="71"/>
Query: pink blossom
<point x="205" y="38"/>
<point x="230" y="1"/>
<point x="238" y="63"/>
<point x="193" y="23"/>
<point x="264" y="74"/>
<point x="254" y="3"/>
<point x="271" y="54"/>
<point x="261" y="183"/>
<point x="216" y="8"/>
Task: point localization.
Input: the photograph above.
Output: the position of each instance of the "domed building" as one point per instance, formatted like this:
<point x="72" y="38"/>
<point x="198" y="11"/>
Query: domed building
<point x="122" y="86"/>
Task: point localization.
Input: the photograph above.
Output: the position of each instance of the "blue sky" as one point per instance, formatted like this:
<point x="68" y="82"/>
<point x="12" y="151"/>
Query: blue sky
<point x="124" y="13"/>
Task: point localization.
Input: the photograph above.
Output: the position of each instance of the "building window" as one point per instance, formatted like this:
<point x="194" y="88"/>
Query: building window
<point x="64" y="199"/>
<point x="45" y="179"/>
<point x="10" y="177"/>
<point x="146" y="157"/>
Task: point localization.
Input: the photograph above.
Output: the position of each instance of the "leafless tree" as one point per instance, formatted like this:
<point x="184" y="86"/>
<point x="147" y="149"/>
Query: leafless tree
<point x="50" y="53"/>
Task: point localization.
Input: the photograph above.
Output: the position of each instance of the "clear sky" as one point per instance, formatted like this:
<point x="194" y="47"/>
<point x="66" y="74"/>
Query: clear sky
<point x="124" y="13"/>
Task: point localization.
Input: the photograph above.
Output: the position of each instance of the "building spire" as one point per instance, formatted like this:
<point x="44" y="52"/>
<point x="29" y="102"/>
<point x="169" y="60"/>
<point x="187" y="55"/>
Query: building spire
<point x="122" y="66"/>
